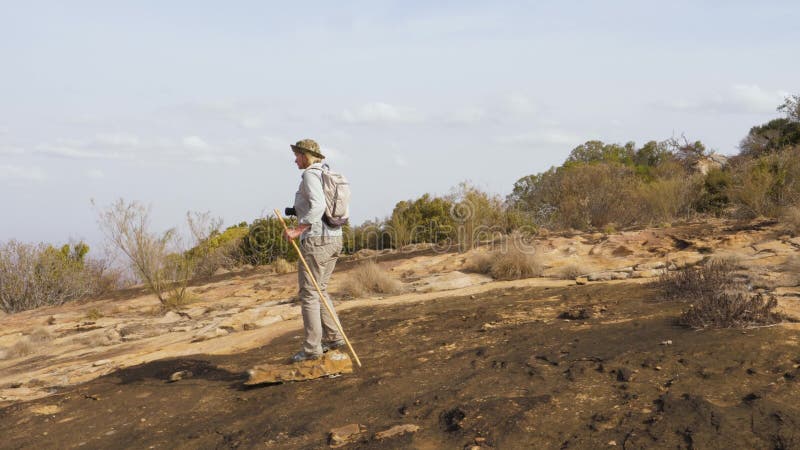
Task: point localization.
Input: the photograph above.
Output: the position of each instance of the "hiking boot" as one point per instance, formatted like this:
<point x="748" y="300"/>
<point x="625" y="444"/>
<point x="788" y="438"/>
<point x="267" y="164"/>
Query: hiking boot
<point x="332" y="345"/>
<point x="303" y="356"/>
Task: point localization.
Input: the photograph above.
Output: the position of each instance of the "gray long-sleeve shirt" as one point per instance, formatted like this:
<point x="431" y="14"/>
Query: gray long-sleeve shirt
<point x="309" y="203"/>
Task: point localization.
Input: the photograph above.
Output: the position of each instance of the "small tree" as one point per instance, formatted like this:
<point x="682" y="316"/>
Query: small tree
<point x="154" y="258"/>
<point x="791" y="107"/>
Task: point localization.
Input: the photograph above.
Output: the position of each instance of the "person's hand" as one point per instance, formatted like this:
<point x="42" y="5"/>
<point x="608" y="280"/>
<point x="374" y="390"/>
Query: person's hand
<point x="294" y="233"/>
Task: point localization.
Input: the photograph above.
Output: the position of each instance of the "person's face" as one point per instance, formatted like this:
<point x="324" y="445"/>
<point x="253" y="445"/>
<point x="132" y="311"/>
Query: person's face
<point x="301" y="160"/>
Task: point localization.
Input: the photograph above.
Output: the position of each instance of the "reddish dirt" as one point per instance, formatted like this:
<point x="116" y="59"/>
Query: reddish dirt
<point x="501" y="367"/>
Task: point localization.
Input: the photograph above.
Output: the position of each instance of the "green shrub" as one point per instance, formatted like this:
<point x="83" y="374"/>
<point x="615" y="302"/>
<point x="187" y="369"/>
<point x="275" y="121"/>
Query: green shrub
<point x="426" y="219"/>
<point x="264" y="242"/>
<point x="35" y="275"/>
<point x="219" y="250"/>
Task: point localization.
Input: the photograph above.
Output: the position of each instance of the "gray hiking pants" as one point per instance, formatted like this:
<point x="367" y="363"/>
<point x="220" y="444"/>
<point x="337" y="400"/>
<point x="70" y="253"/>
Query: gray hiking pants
<point x="321" y="253"/>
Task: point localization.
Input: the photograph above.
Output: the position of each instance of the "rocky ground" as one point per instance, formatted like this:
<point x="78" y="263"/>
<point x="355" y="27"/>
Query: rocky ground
<point x="456" y="361"/>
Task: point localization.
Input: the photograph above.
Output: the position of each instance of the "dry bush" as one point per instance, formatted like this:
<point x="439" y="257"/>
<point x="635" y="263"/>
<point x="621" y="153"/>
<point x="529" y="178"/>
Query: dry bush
<point x="572" y="271"/>
<point x="282" y="266"/>
<point x="515" y="263"/>
<point x="226" y="256"/>
<point x="666" y="199"/>
<point x="34" y="275"/>
<point x="720" y="296"/>
<point x="160" y="260"/>
<point x="369" y="278"/>
<point x="790" y="218"/>
<point x="479" y="262"/>
<point x="729" y="309"/>
<point x="691" y="282"/>
<point x="22" y="347"/>
<point x="40" y="335"/>
<point x="508" y="264"/>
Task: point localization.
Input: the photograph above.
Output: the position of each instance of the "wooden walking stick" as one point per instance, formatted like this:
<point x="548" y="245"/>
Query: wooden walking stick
<point x="319" y="291"/>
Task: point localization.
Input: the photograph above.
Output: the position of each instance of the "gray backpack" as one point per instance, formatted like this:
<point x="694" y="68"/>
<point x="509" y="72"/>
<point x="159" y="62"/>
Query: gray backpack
<point x="337" y="197"/>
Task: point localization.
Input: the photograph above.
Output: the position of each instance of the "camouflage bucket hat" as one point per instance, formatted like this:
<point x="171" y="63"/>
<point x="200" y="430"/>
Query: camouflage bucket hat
<point x="309" y="146"/>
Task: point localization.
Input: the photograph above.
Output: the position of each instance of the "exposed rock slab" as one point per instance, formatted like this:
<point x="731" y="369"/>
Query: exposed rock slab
<point x="331" y="363"/>
<point x="347" y="434"/>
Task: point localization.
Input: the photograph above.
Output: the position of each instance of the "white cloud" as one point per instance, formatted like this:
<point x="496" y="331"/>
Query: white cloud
<point x="379" y="112"/>
<point x="520" y="104"/>
<point x="194" y="143"/>
<point x="556" y="137"/>
<point x="12" y="151"/>
<point x="452" y="24"/>
<point x="251" y="122"/>
<point x="400" y="160"/>
<point x="466" y="116"/>
<point x="95" y="174"/>
<point x="9" y="172"/>
<point x="736" y="99"/>
<point x="79" y="152"/>
<point x="210" y="158"/>
<point x="115" y="140"/>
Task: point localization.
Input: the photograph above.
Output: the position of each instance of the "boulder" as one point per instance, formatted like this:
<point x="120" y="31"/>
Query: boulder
<point x="397" y="430"/>
<point x="347" y="434"/>
<point x="332" y="363"/>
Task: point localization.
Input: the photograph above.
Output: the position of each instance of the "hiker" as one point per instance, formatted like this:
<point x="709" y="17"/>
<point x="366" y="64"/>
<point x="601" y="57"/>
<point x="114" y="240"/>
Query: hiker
<point x="320" y="245"/>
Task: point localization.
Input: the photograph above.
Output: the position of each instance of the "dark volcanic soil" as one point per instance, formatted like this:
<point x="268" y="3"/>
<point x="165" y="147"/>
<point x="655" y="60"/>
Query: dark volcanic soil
<point x="501" y="367"/>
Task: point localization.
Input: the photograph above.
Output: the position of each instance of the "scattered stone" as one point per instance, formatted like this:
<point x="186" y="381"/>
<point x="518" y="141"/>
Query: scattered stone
<point x="211" y="334"/>
<point x="651" y="266"/>
<point x="195" y="312"/>
<point x="45" y="410"/>
<point x="488" y="326"/>
<point x="452" y="420"/>
<point x="599" y="276"/>
<point x="577" y="313"/>
<point x="624" y="374"/>
<point x="101" y="362"/>
<point x="347" y="434"/>
<point x="180" y="375"/>
<point x="581" y="281"/>
<point x="396" y="430"/>
<point x="622" y="251"/>
<point x="331" y="363"/>
<point x="646" y="273"/>
<point x="620" y="275"/>
<point x="667" y="342"/>
<point x="170" y="317"/>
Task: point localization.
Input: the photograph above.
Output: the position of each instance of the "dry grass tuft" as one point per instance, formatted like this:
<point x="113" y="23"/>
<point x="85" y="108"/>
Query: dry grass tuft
<point x="514" y="264"/>
<point x="479" y="262"/>
<point x="369" y="278"/>
<point x="790" y="218"/>
<point x="93" y="314"/>
<point x="572" y="271"/>
<point x="40" y="335"/>
<point x="282" y="266"/>
<point x="720" y="296"/>
<point x="22" y="347"/>
<point x="511" y="264"/>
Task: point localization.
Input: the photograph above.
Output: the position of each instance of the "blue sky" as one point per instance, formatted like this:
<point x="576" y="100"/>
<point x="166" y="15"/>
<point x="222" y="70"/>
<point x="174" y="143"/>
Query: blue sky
<point x="192" y="105"/>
